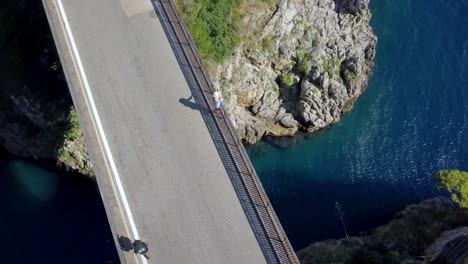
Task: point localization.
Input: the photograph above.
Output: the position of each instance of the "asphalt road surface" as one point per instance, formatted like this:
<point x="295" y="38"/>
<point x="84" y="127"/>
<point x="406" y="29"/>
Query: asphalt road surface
<point x="178" y="191"/>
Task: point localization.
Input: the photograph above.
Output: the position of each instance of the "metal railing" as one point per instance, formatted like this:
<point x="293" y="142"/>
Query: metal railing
<point x="262" y="218"/>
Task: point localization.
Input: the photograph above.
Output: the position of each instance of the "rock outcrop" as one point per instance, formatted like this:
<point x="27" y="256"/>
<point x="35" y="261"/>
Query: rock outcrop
<point x="301" y="65"/>
<point x="35" y="127"/>
<point x="35" y="103"/>
<point x="422" y="229"/>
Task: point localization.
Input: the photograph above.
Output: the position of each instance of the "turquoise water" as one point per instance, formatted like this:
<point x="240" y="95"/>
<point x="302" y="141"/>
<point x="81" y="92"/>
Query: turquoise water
<point x="411" y="121"/>
<point x="51" y="216"/>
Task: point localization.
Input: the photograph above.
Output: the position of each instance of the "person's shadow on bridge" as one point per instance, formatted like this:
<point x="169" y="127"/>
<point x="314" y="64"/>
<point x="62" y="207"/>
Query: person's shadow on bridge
<point x="125" y="243"/>
<point x="192" y="105"/>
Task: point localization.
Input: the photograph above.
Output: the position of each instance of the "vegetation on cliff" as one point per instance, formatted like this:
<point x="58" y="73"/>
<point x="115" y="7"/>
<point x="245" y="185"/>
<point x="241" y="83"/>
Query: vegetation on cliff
<point x="36" y="110"/>
<point x="35" y="102"/>
<point x="215" y="25"/>
<point x="284" y="65"/>
<point x="406" y="237"/>
<point x="212" y="26"/>
<point x="456" y="183"/>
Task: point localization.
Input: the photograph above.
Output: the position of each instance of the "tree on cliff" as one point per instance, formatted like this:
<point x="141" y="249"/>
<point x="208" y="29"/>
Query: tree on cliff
<point x="456" y="182"/>
<point x="212" y="24"/>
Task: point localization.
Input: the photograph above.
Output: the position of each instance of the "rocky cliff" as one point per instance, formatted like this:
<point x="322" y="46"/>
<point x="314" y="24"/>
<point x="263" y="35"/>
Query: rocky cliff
<point x="36" y="113"/>
<point x="419" y="230"/>
<point x="300" y="65"/>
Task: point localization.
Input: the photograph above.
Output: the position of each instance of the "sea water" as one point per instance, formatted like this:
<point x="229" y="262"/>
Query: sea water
<point x="410" y="122"/>
<point x="51" y="216"/>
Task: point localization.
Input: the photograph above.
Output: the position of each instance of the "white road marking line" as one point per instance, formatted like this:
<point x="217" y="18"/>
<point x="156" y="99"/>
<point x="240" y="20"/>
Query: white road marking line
<point x="98" y="122"/>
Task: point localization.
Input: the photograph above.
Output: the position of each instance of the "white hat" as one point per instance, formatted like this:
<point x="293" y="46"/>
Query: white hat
<point x="217" y="94"/>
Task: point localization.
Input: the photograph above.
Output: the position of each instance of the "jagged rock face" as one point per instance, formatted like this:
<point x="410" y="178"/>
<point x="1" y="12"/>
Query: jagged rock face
<point x="75" y="156"/>
<point x="305" y="68"/>
<point x="34" y="98"/>
<point x="422" y="229"/>
<point x="32" y="127"/>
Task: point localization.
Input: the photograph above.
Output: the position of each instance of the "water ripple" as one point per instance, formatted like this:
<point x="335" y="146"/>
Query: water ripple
<point x="412" y="121"/>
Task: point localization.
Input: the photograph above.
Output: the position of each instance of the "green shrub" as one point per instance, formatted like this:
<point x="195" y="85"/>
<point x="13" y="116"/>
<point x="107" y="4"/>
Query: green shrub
<point x="65" y="156"/>
<point x="456" y="182"/>
<point x="70" y="131"/>
<point x="287" y="80"/>
<point x="212" y="26"/>
<point x="301" y="21"/>
<point x="316" y="91"/>
<point x="348" y="74"/>
<point x="267" y="43"/>
<point x="331" y="65"/>
<point x="73" y="125"/>
<point x="303" y="67"/>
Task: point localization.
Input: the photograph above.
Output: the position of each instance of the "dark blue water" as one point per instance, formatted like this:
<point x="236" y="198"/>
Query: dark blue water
<point x="412" y="121"/>
<point x="51" y="216"/>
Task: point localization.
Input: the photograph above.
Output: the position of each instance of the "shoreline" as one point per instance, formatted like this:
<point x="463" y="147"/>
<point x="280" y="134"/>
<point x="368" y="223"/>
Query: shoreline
<point x="46" y="163"/>
<point x="418" y="230"/>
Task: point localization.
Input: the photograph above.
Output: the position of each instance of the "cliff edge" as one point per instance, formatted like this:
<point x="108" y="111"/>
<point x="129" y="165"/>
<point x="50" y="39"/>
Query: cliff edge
<point x="301" y="64"/>
<point x="417" y="234"/>
<point x="296" y="64"/>
<point x="36" y="112"/>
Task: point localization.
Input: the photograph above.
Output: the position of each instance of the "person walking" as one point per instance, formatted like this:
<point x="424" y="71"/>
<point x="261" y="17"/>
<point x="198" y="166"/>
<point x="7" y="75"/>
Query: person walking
<point x="217" y="102"/>
<point x="140" y="247"/>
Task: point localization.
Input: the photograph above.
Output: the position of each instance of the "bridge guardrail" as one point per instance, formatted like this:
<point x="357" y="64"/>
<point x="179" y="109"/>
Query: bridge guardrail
<point x="263" y="220"/>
